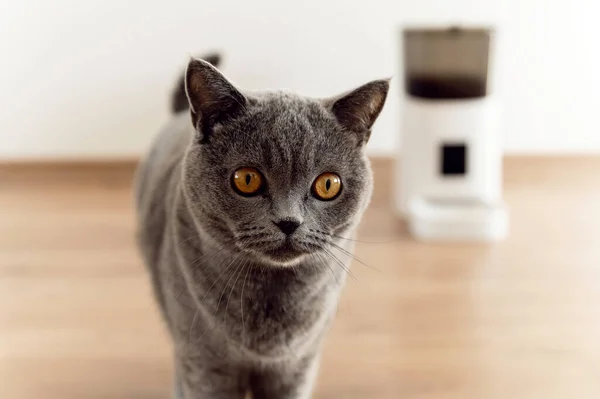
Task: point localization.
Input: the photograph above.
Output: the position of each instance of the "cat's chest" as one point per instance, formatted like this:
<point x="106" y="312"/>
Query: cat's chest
<point x="288" y="301"/>
<point x="267" y="311"/>
<point x="280" y="313"/>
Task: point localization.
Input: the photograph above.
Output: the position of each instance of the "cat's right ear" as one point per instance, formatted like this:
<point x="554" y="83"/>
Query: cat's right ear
<point x="357" y="110"/>
<point x="213" y="99"/>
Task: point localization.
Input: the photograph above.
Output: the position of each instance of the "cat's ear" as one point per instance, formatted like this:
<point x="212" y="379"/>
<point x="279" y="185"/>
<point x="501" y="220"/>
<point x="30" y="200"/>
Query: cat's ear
<point x="213" y="99"/>
<point x="358" y="109"/>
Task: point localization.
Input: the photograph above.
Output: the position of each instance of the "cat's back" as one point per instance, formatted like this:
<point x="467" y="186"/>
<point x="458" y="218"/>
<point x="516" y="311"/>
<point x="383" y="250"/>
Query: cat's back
<point x="157" y="176"/>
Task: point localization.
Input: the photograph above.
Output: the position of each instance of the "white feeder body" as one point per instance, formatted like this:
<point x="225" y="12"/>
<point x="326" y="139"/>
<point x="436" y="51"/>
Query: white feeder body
<point x="434" y="127"/>
<point x="449" y="178"/>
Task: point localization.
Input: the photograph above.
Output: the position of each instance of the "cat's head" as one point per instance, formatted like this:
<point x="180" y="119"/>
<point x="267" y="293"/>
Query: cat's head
<point x="276" y="175"/>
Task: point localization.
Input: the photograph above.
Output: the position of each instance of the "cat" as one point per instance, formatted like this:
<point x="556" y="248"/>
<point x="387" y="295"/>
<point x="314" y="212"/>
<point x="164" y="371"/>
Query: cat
<point x="246" y="203"/>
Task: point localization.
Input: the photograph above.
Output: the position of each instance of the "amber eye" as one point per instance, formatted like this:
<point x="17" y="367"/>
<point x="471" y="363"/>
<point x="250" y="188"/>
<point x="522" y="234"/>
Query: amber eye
<point x="247" y="181"/>
<point x="327" y="186"/>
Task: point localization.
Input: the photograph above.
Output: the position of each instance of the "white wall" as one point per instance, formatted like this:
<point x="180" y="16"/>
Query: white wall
<point x="91" y="78"/>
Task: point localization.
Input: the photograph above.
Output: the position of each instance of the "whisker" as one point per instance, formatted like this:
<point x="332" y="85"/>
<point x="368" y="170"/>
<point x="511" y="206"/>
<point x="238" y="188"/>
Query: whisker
<point x="342" y="249"/>
<point x="326" y="262"/>
<point x="201" y="257"/>
<point x="219" y="277"/>
<point x="262" y="270"/>
<point x="192" y="325"/>
<point x="350" y="239"/>
<point x="362" y="241"/>
<point x="241" y="271"/>
<point x="340" y="263"/>
<point x="202" y="300"/>
<point x="213" y="322"/>
<point x="312" y="264"/>
<point x="208" y="256"/>
<point x="352" y="256"/>
<point x="226" y="286"/>
<point x="188" y="239"/>
<point x="242" y="303"/>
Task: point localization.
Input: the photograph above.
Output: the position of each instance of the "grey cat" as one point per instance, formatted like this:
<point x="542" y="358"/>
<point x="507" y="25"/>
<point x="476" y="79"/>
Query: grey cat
<point x="245" y="210"/>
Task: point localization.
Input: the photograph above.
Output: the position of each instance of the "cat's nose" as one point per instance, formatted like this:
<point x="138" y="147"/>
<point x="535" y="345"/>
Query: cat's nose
<point x="287" y="226"/>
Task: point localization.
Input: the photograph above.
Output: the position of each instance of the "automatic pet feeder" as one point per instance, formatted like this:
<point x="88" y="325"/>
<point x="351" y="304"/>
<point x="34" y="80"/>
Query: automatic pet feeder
<point x="449" y="179"/>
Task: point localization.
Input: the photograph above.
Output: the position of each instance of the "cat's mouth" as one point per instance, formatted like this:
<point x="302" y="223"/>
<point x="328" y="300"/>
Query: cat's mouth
<point x="285" y="253"/>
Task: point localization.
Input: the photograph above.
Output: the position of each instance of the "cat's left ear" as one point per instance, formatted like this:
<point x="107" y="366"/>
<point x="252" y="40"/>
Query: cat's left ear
<point x="358" y="109"/>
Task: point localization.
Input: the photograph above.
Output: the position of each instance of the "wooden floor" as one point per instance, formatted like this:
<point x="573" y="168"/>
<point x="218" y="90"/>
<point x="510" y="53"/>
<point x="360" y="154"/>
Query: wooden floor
<point x="518" y="319"/>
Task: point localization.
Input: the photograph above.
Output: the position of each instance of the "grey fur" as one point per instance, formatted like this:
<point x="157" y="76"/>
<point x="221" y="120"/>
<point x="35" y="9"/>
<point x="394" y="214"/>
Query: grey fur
<point x="246" y="315"/>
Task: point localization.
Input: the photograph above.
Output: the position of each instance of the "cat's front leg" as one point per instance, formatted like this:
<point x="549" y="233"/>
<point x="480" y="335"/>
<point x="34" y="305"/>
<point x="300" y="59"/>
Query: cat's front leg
<point x="286" y="380"/>
<point x="200" y="377"/>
